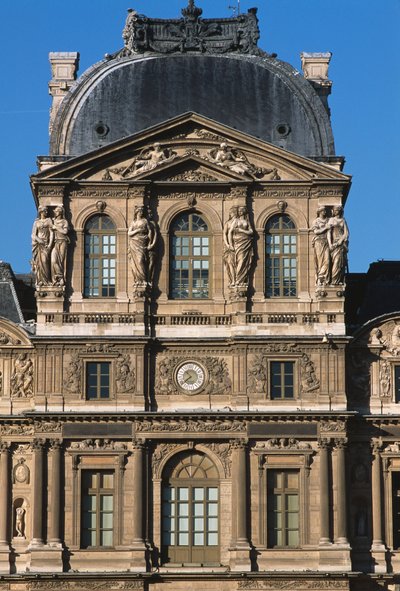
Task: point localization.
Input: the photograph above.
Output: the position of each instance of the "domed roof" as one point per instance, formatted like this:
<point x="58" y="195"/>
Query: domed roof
<point x="225" y="79"/>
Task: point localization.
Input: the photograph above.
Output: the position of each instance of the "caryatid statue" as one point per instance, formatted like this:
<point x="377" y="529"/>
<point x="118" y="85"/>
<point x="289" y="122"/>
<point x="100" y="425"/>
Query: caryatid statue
<point x="142" y="235"/>
<point x="238" y="238"/>
<point x="338" y="240"/>
<point x="42" y="243"/>
<point x="59" y="251"/>
<point x="322" y="255"/>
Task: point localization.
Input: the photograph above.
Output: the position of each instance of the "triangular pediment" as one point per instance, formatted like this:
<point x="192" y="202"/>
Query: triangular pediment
<point x="190" y="148"/>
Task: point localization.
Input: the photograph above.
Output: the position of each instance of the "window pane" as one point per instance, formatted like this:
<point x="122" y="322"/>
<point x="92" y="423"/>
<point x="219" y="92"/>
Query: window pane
<point x="198" y="539"/>
<point x="212" y="539"/>
<point x="106" y="538"/>
<point x="198" y="494"/>
<point x="106" y="521"/>
<point x="293" y="538"/>
<point x="183" y="494"/>
<point x="183" y="539"/>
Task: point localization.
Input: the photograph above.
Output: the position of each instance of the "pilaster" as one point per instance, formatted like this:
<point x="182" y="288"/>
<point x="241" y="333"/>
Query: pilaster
<point x="138" y="547"/>
<point x="4" y="507"/>
<point x="240" y="550"/>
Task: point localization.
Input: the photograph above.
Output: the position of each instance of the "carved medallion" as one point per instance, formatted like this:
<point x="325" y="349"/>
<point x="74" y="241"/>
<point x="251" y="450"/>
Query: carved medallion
<point x="21" y="472"/>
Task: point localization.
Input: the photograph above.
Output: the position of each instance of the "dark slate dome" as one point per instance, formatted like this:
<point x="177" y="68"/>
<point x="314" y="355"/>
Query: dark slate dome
<point x="242" y="88"/>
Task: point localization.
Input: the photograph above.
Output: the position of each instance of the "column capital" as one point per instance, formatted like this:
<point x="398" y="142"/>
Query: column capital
<point x="38" y="444"/>
<point x="138" y="444"/>
<point x="376" y="446"/>
<point x="324" y="443"/>
<point x="55" y="445"/>
<point x="340" y="443"/>
<point x="239" y="443"/>
<point x="4" y="446"/>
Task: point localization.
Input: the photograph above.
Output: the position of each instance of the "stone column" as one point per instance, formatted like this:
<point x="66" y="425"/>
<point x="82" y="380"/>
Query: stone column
<point x="138" y="558"/>
<point x="341" y="537"/>
<point x="240" y="556"/>
<point x="377" y="541"/>
<point x="55" y="493"/>
<point x="37" y="509"/>
<point x="324" y="446"/>
<point x="4" y="493"/>
<point x="241" y="500"/>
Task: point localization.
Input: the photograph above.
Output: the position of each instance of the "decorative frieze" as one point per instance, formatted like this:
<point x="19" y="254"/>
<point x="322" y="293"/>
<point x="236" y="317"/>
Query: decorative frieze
<point x="87" y="585"/>
<point x="24" y="429"/>
<point x="190" y="426"/>
<point x="282" y="444"/>
<point x="293" y="585"/>
<point x="98" y="445"/>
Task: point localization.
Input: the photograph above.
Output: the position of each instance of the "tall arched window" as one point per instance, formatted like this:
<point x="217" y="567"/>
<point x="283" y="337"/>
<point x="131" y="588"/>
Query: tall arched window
<point x="190" y="258"/>
<point x="100" y="257"/>
<point x="281" y="257"/>
<point x="190" y="510"/>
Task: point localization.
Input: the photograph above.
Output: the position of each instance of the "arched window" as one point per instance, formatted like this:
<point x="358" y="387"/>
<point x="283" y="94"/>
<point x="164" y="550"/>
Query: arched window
<point x="190" y="258"/>
<point x="281" y="257"/>
<point x="100" y="257"/>
<point x="190" y="510"/>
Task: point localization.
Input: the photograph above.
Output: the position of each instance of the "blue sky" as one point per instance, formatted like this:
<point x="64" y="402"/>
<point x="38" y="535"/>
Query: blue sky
<point x="363" y="36"/>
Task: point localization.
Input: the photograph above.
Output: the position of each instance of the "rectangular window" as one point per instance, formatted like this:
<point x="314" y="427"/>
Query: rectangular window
<point x="98" y="380"/>
<point x="283" y="509"/>
<point x="282" y="380"/>
<point x="397" y="383"/>
<point x="97" y="529"/>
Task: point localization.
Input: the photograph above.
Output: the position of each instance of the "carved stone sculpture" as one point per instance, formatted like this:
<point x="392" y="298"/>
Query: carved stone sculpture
<point x="384" y="378"/>
<point x="21" y="473"/>
<point x="322" y="255"/>
<point x="20" y="521"/>
<point x="22" y="377"/>
<point x="147" y="159"/>
<point x="238" y="257"/>
<point x="309" y="381"/>
<point x="258" y="374"/>
<point x="42" y="242"/>
<point x="72" y="381"/>
<point x="233" y="159"/>
<point x="338" y="240"/>
<point x="191" y="33"/>
<point x="142" y="235"/>
<point x="125" y="378"/>
<point x="59" y="251"/>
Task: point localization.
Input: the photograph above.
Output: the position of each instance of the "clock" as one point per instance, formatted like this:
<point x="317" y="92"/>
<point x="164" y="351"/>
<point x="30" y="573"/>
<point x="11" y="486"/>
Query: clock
<point x="190" y="377"/>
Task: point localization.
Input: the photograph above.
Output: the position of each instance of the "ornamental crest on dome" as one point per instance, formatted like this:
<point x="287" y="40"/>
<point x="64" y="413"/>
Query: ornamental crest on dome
<point x="191" y="33"/>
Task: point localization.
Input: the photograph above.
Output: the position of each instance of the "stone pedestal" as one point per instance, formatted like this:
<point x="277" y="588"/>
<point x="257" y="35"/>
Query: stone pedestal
<point x="45" y="559"/>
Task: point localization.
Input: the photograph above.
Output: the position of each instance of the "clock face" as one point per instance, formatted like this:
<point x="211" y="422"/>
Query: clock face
<point x="190" y="377"/>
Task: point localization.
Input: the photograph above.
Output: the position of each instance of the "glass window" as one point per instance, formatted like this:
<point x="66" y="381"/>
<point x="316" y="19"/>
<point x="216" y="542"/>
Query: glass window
<point x="282" y="379"/>
<point x="283" y="508"/>
<point x="396" y="383"/>
<point x="281" y="257"/>
<point x="190" y="258"/>
<point x="98" y="380"/>
<point x="190" y="511"/>
<point x="97" y="509"/>
<point x="100" y="257"/>
<point x="396" y="509"/>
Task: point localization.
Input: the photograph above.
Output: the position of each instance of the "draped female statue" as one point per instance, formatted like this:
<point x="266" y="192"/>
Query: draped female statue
<point x="142" y="237"/>
<point x="59" y="252"/>
<point x="238" y="237"/>
<point x="322" y="255"/>
<point x="42" y="242"/>
<point x="338" y="240"/>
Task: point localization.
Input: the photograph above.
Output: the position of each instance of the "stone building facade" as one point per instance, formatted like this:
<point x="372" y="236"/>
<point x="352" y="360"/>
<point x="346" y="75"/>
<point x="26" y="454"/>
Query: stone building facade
<point x="190" y="410"/>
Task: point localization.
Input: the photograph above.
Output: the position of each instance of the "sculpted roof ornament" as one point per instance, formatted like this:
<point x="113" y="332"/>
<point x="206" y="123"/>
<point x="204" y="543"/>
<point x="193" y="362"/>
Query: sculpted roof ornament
<point x="191" y="33"/>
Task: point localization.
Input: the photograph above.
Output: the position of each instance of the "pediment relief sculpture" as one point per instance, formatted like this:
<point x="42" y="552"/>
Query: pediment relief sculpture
<point x="224" y="156"/>
<point x="7" y="339"/>
<point x="387" y="336"/>
<point x="276" y="444"/>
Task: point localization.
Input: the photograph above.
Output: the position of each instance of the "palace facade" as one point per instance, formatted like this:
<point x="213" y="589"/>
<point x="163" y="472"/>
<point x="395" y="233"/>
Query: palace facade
<point x="203" y="400"/>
